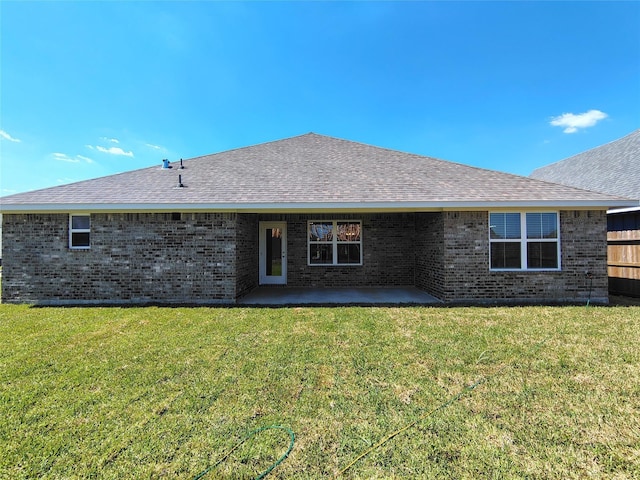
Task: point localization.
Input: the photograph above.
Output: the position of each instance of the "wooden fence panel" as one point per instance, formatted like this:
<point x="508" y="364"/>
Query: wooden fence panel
<point x="623" y="252"/>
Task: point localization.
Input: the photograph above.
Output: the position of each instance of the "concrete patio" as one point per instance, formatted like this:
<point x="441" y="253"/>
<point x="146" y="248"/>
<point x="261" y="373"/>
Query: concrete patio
<point x="288" y="296"/>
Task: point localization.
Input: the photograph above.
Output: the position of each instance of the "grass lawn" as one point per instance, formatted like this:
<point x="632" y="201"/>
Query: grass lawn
<point x="166" y="392"/>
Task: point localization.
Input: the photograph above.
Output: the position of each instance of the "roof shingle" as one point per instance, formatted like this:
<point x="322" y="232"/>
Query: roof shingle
<point x="613" y="168"/>
<point x="303" y="172"/>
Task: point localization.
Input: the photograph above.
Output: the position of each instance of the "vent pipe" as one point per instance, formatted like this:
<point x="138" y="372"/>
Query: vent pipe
<point x="181" y="166"/>
<point x="180" y="185"/>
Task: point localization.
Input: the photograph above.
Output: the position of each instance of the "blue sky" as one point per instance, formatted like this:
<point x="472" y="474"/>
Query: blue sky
<point x="94" y="88"/>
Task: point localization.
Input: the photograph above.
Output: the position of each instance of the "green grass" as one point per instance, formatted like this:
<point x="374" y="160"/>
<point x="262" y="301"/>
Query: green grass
<point x="165" y="392"/>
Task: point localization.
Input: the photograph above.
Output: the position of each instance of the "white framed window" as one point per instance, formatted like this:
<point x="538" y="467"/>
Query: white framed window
<point x="80" y="231"/>
<point x="524" y="241"/>
<point x="334" y="242"/>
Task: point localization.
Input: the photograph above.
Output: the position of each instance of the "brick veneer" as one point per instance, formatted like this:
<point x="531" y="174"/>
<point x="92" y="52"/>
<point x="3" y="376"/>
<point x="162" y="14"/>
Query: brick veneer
<point x="469" y="280"/>
<point x="388" y="251"/>
<point x="246" y="253"/>
<point x="429" y="253"/>
<point x="213" y="258"/>
<point x="134" y="258"/>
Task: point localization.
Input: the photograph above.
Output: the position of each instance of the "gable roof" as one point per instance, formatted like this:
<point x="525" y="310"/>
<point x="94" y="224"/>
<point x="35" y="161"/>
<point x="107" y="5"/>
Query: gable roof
<point x="307" y="172"/>
<point x="613" y="168"/>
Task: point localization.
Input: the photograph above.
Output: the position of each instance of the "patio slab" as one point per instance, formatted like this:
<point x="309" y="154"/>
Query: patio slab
<point x="287" y="296"/>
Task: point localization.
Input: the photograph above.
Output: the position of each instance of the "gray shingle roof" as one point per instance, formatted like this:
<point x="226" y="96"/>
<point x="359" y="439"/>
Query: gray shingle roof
<point x="613" y="168"/>
<point x="305" y="172"/>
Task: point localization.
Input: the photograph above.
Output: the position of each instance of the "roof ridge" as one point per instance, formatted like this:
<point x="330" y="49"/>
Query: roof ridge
<point x="259" y="144"/>
<point x="396" y="151"/>
<point x="438" y="159"/>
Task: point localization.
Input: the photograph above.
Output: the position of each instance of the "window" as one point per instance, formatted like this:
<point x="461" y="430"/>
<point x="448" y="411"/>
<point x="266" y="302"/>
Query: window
<point x="334" y="242"/>
<point x="524" y="241"/>
<point x="79" y="231"/>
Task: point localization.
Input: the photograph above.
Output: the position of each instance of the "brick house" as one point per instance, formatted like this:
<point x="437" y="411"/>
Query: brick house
<point x="308" y="211"/>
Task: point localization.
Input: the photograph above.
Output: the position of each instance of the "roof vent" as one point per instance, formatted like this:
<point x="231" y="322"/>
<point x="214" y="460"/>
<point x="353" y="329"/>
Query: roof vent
<point x="181" y="166"/>
<point x="180" y="184"/>
<point x="165" y="163"/>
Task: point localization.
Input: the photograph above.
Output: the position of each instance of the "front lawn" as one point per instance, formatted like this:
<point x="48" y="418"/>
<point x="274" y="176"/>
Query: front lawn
<point x="167" y="392"/>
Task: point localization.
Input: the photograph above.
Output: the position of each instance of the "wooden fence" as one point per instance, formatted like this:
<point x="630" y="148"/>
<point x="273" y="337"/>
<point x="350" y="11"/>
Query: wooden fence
<point x="623" y="252"/>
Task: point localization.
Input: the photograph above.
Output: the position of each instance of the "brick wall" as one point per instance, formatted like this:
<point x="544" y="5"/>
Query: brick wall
<point x="466" y="263"/>
<point x="134" y="258"/>
<point x="34" y="247"/>
<point x="388" y="256"/>
<point x="584" y="248"/>
<point x="213" y="258"/>
<point x="246" y="253"/>
<point x="429" y="253"/>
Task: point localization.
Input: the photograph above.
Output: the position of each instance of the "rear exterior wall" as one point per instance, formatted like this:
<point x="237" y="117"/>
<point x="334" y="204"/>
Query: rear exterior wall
<point x="388" y="243"/>
<point x="429" y="253"/>
<point x="468" y="279"/>
<point x="134" y="258"/>
<point x="246" y="253"/>
<point x="197" y="258"/>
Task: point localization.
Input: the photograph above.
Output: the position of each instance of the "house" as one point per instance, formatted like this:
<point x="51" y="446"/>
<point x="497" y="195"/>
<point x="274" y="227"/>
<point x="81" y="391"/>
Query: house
<point x="613" y="168"/>
<point x="309" y="211"/>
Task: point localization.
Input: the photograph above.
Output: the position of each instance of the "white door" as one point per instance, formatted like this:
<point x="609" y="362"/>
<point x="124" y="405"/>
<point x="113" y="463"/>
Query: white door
<point x="273" y="253"/>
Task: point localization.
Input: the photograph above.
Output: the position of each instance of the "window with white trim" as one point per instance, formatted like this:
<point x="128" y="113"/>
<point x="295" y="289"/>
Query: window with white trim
<point x="334" y="242"/>
<point x="79" y="231"/>
<point x="524" y="241"/>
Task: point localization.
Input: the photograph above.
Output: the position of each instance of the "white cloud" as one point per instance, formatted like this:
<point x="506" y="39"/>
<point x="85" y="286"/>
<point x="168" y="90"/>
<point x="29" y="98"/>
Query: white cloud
<point x="154" y="147"/>
<point x="65" y="180"/>
<point x="86" y="159"/>
<point x="573" y="122"/>
<point x="110" y="150"/>
<point x="63" y="157"/>
<point x="6" y="136"/>
<point x="114" y="151"/>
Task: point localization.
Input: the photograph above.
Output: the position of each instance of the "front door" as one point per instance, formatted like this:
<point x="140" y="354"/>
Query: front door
<point x="273" y="253"/>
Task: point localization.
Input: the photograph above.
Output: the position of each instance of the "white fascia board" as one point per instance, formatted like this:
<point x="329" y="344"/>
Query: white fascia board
<point x="624" y="210"/>
<point x="309" y="207"/>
